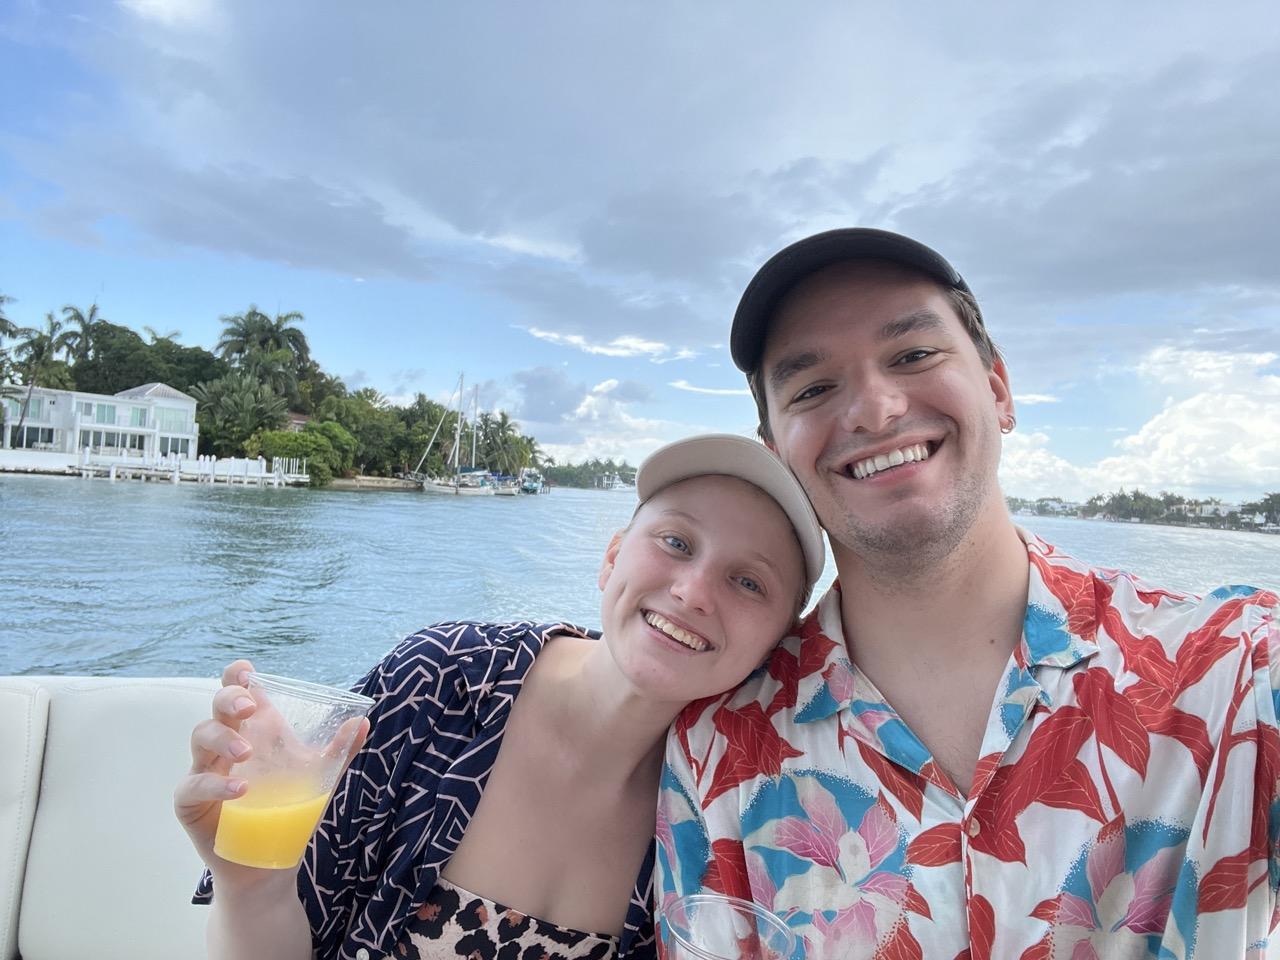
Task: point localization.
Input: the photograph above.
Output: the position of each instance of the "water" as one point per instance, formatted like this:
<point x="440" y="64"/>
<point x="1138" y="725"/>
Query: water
<point x="156" y="580"/>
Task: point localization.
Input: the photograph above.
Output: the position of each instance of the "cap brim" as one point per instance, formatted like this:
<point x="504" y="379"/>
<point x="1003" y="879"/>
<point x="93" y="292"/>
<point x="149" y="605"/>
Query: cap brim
<point x="734" y="456"/>
<point x="793" y="263"/>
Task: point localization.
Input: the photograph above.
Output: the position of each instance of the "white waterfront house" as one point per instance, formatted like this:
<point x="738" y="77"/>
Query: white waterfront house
<point x="149" y="422"/>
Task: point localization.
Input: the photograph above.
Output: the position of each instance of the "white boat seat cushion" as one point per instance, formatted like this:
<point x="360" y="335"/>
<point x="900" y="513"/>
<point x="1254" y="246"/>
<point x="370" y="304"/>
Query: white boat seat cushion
<point x="110" y="872"/>
<point x="24" y="708"/>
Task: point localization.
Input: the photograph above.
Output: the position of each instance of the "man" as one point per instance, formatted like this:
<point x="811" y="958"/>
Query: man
<point x="975" y="746"/>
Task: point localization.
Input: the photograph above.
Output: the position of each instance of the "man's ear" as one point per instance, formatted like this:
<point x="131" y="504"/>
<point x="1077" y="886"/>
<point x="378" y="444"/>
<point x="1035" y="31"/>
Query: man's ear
<point x="998" y="379"/>
<point x="610" y="555"/>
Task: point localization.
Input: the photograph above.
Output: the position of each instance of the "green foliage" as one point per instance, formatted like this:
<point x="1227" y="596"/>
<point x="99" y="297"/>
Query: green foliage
<point x="56" y="375"/>
<point x="376" y="429"/>
<point x="323" y="461"/>
<point x="232" y="409"/>
<point x="343" y="443"/>
<point x="120" y="359"/>
<point x="589" y="473"/>
<point x="185" y="366"/>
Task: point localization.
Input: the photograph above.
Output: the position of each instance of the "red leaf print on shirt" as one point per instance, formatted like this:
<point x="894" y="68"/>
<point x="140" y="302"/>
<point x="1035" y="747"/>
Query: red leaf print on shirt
<point x="1048" y="757"/>
<point x="901" y="785"/>
<point x="727" y="871"/>
<point x="982" y="927"/>
<point x="1225" y="886"/>
<point x="1075" y="591"/>
<point x="685" y="721"/>
<point x="785" y="668"/>
<point x="815" y="647"/>
<point x="1115" y="718"/>
<point x="936" y="846"/>
<point x="752" y="748"/>
<point x="1075" y="790"/>
<point x="902" y="945"/>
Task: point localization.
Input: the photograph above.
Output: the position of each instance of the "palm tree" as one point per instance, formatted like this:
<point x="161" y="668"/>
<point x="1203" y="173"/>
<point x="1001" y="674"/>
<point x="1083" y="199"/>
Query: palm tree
<point x="275" y="351"/>
<point x="234" y="408"/>
<point x="254" y="332"/>
<point x="36" y="351"/>
<point x="157" y="337"/>
<point x="81" y="338"/>
<point x="7" y="329"/>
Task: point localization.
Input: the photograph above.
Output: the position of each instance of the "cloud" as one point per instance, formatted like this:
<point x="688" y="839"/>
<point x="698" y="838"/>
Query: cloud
<point x="1031" y="399"/>
<point x="1218" y="440"/>
<point x="713" y="391"/>
<point x="624" y="346"/>
<point x="1217" y="370"/>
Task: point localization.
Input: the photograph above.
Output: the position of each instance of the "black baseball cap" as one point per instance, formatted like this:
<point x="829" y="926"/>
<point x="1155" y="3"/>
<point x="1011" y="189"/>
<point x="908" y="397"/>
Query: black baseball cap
<point x="792" y="264"/>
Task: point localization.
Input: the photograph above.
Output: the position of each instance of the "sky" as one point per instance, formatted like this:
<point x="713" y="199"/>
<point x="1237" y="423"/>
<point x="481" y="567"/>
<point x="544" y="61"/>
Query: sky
<point x="564" y="201"/>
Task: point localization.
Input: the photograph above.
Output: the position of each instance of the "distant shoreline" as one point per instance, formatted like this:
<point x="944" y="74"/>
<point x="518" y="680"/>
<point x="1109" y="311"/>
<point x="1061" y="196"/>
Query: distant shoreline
<point x="1147" y="523"/>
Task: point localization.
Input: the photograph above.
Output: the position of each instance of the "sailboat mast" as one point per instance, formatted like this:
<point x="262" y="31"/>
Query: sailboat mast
<point x="457" y="430"/>
<point x="475" y="415"/>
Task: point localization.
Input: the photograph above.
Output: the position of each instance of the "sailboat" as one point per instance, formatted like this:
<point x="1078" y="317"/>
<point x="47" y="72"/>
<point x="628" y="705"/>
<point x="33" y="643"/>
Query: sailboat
<point x="463" y="482"/>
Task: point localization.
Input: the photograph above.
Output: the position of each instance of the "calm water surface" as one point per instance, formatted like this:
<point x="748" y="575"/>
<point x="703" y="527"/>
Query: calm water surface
<point x="156" y="580"/>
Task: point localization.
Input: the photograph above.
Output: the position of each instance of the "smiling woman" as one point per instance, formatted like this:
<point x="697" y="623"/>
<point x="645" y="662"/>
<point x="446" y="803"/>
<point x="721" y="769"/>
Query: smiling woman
<point x="542" y="741"/>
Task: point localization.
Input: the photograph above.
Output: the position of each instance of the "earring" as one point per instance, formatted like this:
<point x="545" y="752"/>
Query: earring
<point x="1007" y="424"/>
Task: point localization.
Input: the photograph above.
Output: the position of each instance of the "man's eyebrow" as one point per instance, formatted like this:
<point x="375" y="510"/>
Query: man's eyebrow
<point x="794" y="363"/>
<point x="915" y="322"/>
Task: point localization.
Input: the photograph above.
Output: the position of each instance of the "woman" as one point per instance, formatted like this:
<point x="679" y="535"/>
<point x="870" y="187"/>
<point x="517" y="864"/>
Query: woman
<point x="475" y="822"/>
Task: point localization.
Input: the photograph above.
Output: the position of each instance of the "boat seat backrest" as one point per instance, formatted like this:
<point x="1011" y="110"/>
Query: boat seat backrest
<point x="104" y="870"/>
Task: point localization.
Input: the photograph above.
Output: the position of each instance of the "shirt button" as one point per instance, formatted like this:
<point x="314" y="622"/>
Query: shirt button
<point x="974" y="828"/>
<point x="362" y="954"/>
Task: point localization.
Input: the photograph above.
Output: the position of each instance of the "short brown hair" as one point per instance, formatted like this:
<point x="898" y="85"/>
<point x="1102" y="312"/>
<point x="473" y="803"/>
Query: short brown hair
<point x="966" y="308"/>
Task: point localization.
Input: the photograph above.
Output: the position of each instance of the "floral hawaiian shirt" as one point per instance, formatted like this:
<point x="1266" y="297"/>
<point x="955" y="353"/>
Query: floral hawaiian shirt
<point x="1125" y="804"/>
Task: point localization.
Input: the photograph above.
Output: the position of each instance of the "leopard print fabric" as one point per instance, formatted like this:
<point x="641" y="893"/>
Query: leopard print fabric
<point x="456" y="925"/>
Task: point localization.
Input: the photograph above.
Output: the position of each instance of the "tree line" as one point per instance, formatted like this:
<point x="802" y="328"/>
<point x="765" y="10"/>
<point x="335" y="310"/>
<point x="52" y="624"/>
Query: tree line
<point x="259" y="372"/>
<point x="1162" y="508"/>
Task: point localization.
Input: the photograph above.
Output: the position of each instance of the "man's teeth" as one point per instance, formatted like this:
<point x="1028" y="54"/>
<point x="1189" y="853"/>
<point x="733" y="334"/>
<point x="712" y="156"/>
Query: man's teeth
<point x="911" y="454"/>
<point x="679" y="634"/>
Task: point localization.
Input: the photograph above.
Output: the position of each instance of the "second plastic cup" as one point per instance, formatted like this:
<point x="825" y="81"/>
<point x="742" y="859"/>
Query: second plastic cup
<point x="301" y="734"/>
<point x="710" y="926"/>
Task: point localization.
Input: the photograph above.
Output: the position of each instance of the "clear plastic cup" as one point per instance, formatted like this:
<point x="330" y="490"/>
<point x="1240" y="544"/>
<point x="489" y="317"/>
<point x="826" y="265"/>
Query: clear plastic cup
<point x="711" y="926"/>
<point x="301" y="734"/>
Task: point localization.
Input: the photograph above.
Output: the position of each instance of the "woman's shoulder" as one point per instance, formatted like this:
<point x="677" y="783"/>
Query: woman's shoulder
<point x="443" y="646"/>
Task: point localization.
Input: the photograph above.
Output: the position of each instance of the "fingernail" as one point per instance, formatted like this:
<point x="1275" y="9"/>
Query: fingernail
<point x="242" y="678"/>
<point x="243" y="703"/>
<point x="239" y="749"/>
<point x="234" y="787"/>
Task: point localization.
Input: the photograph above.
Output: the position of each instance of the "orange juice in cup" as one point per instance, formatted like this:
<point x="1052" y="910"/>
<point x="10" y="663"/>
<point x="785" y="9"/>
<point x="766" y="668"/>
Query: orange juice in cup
<point x="301" y="734"/>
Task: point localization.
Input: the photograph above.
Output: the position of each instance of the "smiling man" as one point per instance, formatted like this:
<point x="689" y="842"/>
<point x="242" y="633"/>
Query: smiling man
<point x="975" y="746"/>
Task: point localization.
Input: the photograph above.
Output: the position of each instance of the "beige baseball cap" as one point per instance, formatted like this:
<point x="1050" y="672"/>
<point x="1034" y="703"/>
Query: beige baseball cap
<point x="730" y="455"/>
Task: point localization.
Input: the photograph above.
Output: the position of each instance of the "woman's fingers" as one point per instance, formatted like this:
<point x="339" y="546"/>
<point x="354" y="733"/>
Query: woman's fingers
<point x="216" y="746"/>
<point x="237" y="673"/>
<point x="201" y="789"/>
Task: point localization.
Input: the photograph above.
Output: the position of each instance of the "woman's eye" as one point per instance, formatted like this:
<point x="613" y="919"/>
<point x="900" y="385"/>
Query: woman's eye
<point x="750" y="584"/>
<point x="675" y="543"/>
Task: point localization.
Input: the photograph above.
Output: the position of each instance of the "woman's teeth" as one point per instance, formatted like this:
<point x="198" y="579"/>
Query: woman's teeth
<point x="679" y="634"/>
<point x="912" y="454"/>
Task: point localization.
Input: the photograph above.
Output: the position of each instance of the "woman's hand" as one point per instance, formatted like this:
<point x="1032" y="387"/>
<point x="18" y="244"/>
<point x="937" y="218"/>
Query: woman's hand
<point x="216" y="745"/>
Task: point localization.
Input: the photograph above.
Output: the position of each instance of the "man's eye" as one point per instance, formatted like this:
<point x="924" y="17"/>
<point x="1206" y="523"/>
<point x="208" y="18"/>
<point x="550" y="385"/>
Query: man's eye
<point x="808" y="393"/>
<point x="675" y="543"/>
<point x="913" y="356"/>
<point x="750" y="584"/>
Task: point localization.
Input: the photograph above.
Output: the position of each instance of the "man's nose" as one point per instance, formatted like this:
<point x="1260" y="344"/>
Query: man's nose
<point x="873" y="404"/>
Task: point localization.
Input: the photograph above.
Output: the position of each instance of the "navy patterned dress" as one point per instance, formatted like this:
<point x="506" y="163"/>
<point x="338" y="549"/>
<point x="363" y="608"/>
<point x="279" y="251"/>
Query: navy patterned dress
<point x="442" y="700"/>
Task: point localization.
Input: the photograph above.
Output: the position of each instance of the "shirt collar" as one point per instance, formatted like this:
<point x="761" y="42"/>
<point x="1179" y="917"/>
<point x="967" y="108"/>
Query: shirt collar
<point x="493" y="674"/>
<point x="1059" y="630"/>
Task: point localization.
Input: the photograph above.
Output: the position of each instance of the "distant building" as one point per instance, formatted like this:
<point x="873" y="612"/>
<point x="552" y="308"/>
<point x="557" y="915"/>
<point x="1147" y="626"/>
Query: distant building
<point x="296" y="422"/>
<point x="150" y="421"/>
